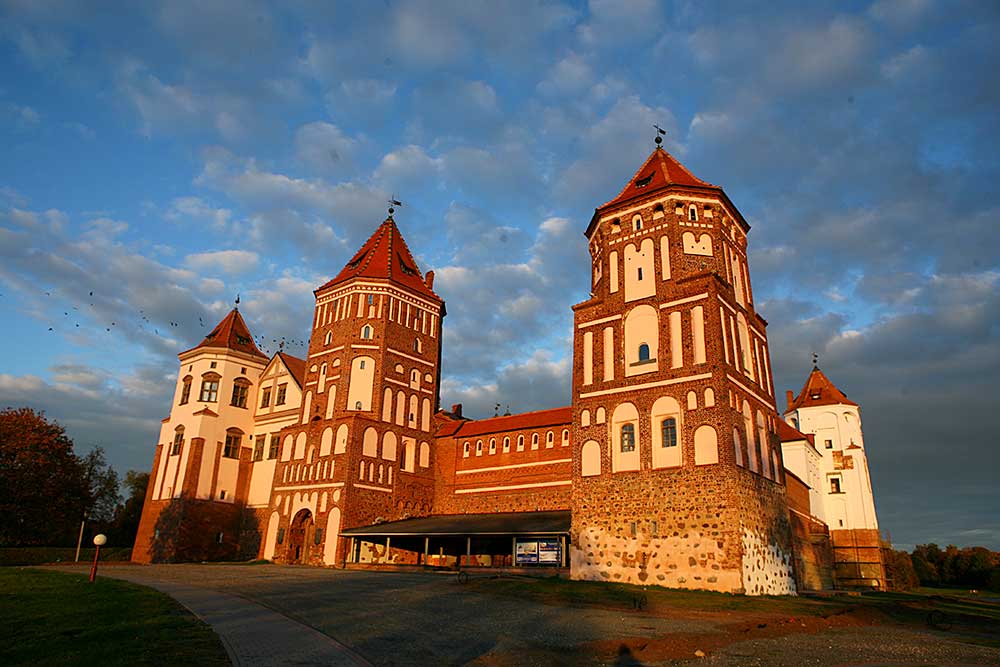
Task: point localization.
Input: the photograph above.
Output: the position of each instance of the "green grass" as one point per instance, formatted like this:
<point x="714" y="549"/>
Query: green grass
<point x="55" y="618"/>
<point x="40" y="555"/>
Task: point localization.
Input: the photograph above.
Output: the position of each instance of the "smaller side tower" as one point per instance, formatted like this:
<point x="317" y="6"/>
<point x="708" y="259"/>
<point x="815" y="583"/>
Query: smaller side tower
<point x="197" y="486"/>
<point x="846" y="502"/>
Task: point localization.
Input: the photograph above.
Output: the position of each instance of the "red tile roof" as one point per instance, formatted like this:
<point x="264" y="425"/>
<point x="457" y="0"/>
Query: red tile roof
<point x="538" y="419"/>
<point x="295" y="366"/>
<point x="658" y="171"/>
<point x="385" y="255"/>
<point x="788" y="433"/>
<point x="232" y="333"/>
<point x="818" y="390"/>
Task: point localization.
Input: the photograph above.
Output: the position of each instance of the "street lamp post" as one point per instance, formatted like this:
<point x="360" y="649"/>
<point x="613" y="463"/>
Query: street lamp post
<point x="99" y="541"/>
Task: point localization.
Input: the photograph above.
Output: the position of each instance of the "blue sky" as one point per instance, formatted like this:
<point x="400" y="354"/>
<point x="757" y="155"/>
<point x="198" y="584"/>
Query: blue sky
<point x="167" y="156"/>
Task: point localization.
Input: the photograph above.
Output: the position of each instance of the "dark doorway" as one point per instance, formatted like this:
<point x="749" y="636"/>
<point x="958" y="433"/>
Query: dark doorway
<point x="300" y="535"/>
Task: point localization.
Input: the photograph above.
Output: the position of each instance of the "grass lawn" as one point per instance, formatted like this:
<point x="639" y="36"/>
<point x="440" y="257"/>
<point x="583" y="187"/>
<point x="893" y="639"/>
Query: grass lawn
<point x="56" y="618"/>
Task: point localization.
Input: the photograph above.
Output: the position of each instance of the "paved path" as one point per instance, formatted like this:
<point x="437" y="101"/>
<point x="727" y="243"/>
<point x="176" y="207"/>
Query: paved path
<point x="251" y="633"/>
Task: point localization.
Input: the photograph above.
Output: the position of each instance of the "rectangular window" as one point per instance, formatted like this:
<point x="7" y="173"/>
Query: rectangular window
<point x="239" y="395"/>
<point x="209" y="391"/>
<point x="232" y="448"/>
<point x="835" y="485"/>
<point x="371" y="301"/>
<point x="178" y="443"/>
<point x="265" y="397"/>
<point x="628" y="438"/>
<point x="828" y="443"/>
<point x="258" y="447"/>
<point x="318" y="536"/>
<point x="220" y="536"/>
<point x="281" y="536"/>
<point x="272" y="450"/>
<point x="186" y="392"/>
<point x="280" y="398"/>
<point x="669" y="432"/>
<point x="222" y="494"/>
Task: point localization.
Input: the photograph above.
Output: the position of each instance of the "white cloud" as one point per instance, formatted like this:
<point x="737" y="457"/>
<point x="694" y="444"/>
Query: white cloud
<point x="232" y="262"/>
<point x="569" y="76"/>
<point x="324" y="147"/>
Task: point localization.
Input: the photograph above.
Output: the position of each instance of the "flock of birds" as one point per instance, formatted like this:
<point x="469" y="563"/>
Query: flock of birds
<point x="143" y="322"/>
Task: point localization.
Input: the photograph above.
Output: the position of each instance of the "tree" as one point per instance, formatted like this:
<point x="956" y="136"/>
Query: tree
<point x="102" y="484"/>
<point x="43" y="487"/>
<point x="127" y="517"/>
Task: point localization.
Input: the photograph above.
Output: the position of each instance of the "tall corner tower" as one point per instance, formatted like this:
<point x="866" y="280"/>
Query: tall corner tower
<point x="361" y="452"/>
<point x="197" y="487"/>
<point x="847" y="503"/>
<point x="677" y="474"/>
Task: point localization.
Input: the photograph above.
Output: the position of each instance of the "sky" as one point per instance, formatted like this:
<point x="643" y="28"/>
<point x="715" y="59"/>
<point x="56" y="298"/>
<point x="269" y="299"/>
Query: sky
<point x="160" y="158"/>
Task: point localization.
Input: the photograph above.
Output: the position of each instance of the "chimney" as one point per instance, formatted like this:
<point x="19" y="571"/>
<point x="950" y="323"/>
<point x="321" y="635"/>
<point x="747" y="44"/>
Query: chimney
<point x="429" y="279"/>
<point x="457" y="410"/>
<point x="788" y="398"/>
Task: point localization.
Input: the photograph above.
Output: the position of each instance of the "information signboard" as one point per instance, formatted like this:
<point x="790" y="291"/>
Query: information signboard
<point x="538" y="551"/>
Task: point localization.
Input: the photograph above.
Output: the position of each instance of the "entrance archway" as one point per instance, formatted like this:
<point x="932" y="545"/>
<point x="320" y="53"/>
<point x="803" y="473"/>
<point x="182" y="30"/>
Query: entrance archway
<point x="300" y="534"/>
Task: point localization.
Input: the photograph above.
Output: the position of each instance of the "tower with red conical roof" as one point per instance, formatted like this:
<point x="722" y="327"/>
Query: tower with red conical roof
<point x="361" y="452"/>
<point x="846" y="501"/>
<point x="194" y="502"/>
<point x="677" y="478"/>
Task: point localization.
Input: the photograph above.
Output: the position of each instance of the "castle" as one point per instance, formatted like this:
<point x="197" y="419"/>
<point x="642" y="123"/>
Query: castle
<point x="671" y="466"/>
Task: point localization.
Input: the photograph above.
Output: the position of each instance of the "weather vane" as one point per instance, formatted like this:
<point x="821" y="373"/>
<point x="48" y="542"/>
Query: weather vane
<point x="815" y="360"/>
<point x="392" y="203"/>
<point x="660" y="133"/>
<point x="237" y="298"/>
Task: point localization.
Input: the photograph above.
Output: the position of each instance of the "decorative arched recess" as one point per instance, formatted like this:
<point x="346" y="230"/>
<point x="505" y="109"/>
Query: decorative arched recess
<point x="271" y="536"/>
<point x="332" y="536"/>
<point x="362" y="382"/>
<point x="641" y="328"/>
<point x="341" y="445"/>
<point x="369" y="446"/>
<point x="665" y="455"/>
<point x="300" y="446"/>
<point x="624" y="414"/>
<point x="389" y="446"/>
<point x="590" y="456"/>
<point x="737" y="447"/>
<point x="706" y="445"/>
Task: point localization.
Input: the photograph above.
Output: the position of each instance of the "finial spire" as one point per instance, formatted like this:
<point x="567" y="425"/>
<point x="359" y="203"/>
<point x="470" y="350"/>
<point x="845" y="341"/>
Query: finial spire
<point x="660" y="133"/>
<point x="237" y="300"/>
<point x="393" y="202"/>
<point x="815" y="361"/>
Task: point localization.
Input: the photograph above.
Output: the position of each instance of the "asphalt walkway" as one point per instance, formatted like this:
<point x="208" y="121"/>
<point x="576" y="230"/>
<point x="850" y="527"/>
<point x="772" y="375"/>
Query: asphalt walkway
<point x="251" y="633"/>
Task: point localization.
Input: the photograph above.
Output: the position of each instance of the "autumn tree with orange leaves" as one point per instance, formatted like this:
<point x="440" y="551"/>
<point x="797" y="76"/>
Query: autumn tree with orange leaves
<point x="45" y="488"/>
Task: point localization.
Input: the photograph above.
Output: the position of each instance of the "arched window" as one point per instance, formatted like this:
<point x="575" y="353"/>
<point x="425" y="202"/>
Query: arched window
<point x="644" y="352"/>
<point x="534" y="441"/>
<point x="357" y="404"/>
<point x="493" y="445"/>
<point x="241" y="388"/>
<point x="417" y="345"/>
<point x="466" y="449"/>
<point x="693" y="213"/>
<point x="186" y="391"/>
<point x="520" y="443"/>
<point x="479" y="447"/>
<point x="565" y="437"/>
<point x="366" y="332"/>
<point x="178" y="441"/>
<point x="668" y="429"/>
<point x="628" y="437"/>
<point x="329" y="337"/>
<point x="506" y="445"/>
<point x="637" y="222"/>
<point x="549" y="439"/>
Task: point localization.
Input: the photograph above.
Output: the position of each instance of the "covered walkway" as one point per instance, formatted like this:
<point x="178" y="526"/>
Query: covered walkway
<point x="523" y="539"/>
